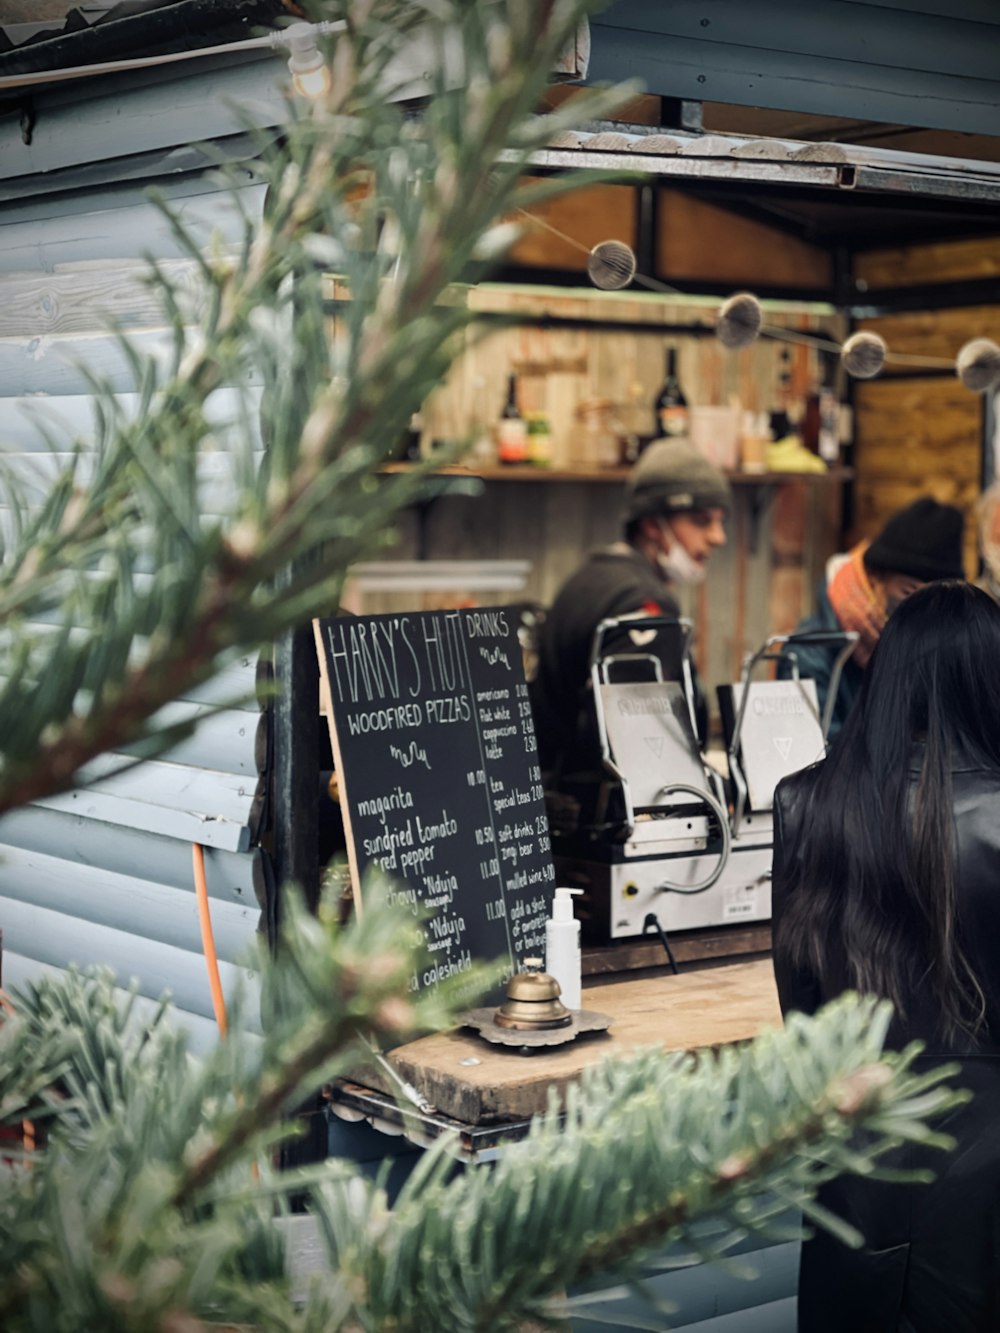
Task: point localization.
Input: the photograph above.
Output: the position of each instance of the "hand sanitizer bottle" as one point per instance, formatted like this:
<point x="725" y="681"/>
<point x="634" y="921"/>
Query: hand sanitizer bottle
<point x="562" y="948"/>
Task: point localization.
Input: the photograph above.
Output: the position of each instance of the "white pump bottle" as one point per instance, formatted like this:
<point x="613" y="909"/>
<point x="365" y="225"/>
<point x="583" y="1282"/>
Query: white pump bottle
<point x="562" y="948"/>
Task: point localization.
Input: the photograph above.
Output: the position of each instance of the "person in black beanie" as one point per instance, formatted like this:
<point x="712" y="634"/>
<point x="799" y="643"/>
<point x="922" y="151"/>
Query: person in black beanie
<point x="676" y="503"/>
<point x="918" y="545"/>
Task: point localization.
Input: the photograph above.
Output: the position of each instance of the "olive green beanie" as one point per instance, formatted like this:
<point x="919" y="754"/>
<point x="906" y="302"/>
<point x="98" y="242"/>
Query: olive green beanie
<point x="671" y="477"/>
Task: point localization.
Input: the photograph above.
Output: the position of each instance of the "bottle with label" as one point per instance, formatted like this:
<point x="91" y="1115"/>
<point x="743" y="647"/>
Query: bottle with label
<point x="562" y="948"/>
<point x="539" y="444"/>
<point x="670" y="409"/>
<point x="512" y="429"/>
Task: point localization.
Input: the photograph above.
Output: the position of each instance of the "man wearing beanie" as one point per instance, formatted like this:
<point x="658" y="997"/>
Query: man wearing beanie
<point x="862" y="588"/>
<point x="676" y="503"/>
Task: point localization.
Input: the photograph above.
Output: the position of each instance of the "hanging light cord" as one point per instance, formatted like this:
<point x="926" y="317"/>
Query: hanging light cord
<point x="208" y="938"/>
<point x="274" y="41"/>
<point x="766" y="330"/>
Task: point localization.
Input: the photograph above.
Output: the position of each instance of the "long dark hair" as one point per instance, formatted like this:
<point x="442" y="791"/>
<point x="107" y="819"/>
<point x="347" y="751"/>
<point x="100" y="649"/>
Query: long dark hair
<point x="872" y="880"/>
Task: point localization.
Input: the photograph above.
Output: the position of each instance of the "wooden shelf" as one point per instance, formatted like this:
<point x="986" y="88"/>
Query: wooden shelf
<point x="495" y="472"/>
<point x="837" y="474"/>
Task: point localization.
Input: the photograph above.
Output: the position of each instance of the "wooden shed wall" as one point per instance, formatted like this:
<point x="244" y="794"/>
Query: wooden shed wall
<point x="918" y="430"/>
<point x="103" y="873"/>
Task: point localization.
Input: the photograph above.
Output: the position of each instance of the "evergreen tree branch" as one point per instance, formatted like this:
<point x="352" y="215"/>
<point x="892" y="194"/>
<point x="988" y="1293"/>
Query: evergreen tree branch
<point x="141" y="1208"/>
<point x="166" y="591"/>
<point x="647" y="1153"/>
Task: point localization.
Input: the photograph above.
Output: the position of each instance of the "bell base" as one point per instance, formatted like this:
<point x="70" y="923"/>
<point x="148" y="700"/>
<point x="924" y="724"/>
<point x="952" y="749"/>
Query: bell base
<point x="532" y="1024"/>
<point x="524" y="1041"/>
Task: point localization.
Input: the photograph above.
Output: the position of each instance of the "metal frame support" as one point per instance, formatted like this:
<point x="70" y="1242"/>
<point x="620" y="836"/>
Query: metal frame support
<point x="681" y="113"/>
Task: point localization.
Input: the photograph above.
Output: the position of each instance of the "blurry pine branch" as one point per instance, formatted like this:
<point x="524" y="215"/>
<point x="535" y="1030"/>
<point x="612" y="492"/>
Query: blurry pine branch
<point x="124" y="586"/>
<point x="152" y="1204"/>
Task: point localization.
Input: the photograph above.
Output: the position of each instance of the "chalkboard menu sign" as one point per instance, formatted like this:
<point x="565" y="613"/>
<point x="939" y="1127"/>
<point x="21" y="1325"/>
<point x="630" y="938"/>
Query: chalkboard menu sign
<point x="439" y="781"/>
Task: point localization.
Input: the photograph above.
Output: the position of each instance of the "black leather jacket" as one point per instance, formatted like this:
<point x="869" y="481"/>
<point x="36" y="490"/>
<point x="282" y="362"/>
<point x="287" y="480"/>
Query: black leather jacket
<point x="931" y="1262"/>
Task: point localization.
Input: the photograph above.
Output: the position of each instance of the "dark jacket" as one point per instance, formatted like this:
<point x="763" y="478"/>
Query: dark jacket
<point x="816" y="662"/>
<point x="931" y="1259"/>
<point x="612" y="582"/>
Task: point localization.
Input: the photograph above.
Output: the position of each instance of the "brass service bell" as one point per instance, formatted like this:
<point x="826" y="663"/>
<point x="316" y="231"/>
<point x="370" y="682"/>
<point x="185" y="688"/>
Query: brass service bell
<point x="533" y="1001"/>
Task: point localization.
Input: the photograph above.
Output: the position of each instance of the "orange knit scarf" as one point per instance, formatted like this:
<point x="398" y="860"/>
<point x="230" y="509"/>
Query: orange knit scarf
<point x="858" y="603"/>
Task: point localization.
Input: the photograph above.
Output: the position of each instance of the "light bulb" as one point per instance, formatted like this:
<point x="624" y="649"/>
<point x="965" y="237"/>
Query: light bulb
<point x="312" y="83"/>
<point x="309" y="71"/>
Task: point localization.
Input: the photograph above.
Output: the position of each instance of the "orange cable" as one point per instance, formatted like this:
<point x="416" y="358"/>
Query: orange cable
<point x="208" y="947"/>
<point x="207" y="938"/>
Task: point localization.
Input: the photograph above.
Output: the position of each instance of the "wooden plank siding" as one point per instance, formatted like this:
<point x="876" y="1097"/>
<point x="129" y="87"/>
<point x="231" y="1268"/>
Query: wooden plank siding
<point x="937" y="262"/>
<point x="917" y="437"/>
<point x="111" y="227"/>
<point x="72" y="300"/>
<point x="937" y="333"/>
<point x="917" y="433"/>
<point x="560" y="232"/>
<point x="693" y="240"/>
<point x="121" y="117"/>
<point x="103" y="873"/>
<point x="698" y="240"/>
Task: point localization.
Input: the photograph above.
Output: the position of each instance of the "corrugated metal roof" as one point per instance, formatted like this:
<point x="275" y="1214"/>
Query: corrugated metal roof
<point x="693" y="158"/>
<point x="745" y="148"/>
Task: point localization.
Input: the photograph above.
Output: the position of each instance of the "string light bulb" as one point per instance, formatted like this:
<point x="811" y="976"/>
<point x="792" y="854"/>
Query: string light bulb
<point x="863" y="355"/>
<point x="978" y="365"/>
<point x="611" y="265"/>
<point x="306" y="64"/>
<point x="739" y="320"/>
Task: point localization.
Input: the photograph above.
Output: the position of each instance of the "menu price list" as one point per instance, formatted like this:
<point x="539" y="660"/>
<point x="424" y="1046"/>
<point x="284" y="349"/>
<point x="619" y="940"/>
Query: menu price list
<point x="435" y="745"/>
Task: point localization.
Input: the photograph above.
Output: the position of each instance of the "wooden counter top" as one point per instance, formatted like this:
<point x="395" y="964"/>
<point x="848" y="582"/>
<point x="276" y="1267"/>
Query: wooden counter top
<point x="706" y="1007"/>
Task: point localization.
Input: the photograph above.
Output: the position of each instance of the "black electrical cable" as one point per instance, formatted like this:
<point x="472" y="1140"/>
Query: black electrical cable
<point x="652" y="920"/>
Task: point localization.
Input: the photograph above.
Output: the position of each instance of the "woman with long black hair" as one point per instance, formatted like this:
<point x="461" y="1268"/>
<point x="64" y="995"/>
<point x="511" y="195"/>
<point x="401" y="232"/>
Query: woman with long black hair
<point x="887" y="881"/>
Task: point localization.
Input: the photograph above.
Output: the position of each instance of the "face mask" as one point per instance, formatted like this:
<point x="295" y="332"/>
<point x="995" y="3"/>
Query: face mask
<point x="675" y="564"/>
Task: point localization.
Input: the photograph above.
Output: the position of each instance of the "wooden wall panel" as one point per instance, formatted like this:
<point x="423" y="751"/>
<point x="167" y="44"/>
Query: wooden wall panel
<point x="916" y="437"/>
<point x="699" y="240"/>
<point x="568" y="227"/>
<point x="941" y="261"/>
<point x="83" y="297"/>
<point x="694" y="240"/>
<point x="102" y="874"/>
<point x="939" y="333"/>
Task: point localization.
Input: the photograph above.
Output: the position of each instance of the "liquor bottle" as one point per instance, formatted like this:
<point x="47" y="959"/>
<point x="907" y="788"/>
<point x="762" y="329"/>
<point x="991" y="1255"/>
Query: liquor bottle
<point x="671" y="408"/>
<point x="512" y="429"/>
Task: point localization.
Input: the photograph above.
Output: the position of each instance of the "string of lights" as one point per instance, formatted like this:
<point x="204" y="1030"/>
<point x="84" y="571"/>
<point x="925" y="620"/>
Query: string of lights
<point x="612" y="266"/>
